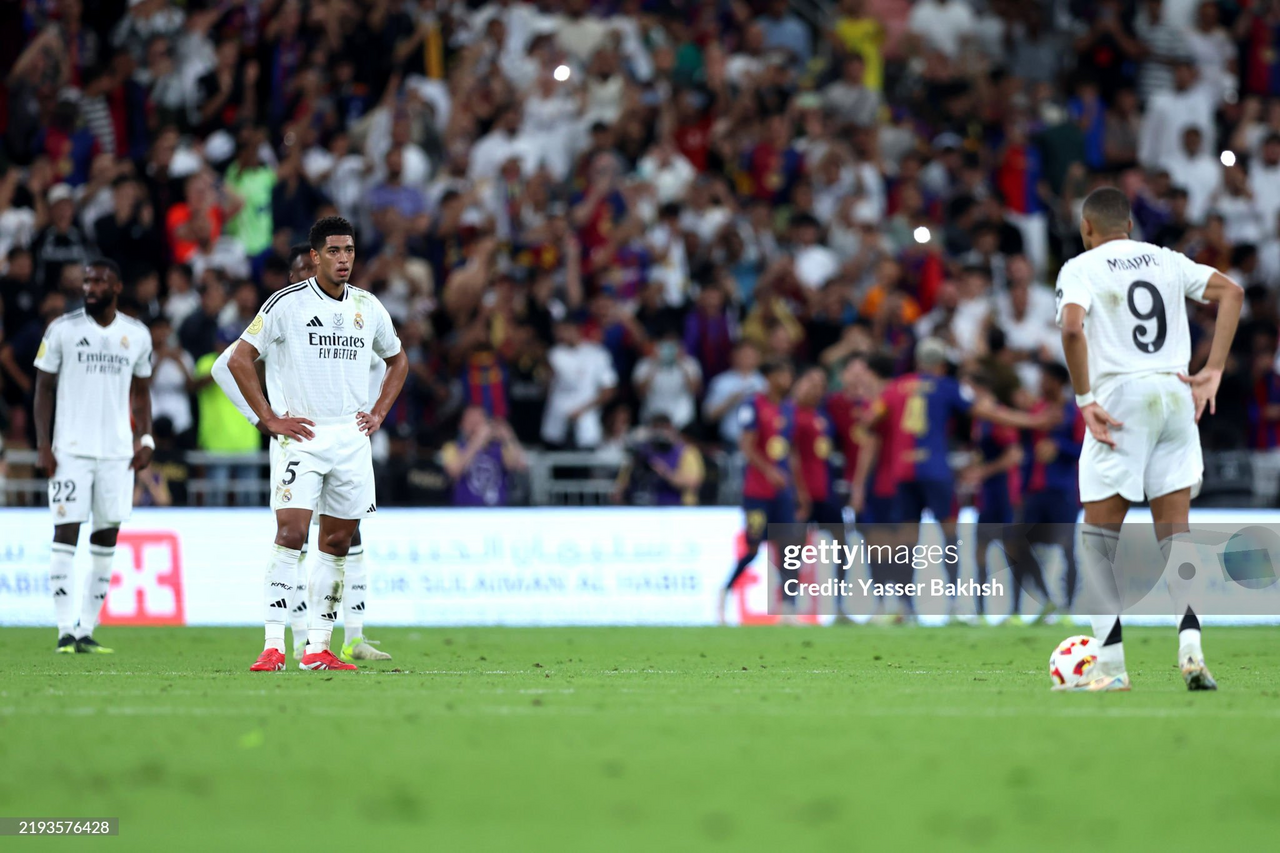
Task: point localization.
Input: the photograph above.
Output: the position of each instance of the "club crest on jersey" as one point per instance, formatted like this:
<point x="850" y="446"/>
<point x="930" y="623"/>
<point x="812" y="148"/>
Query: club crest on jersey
<point x="124" y="341"/>
<point x="338" y="320"/>
<point x="256" y="325"/>
<point x="359" y="321"/>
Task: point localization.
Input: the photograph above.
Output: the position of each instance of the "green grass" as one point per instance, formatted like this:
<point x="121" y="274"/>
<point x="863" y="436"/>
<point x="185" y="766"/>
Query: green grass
<point x="642" y="739"/>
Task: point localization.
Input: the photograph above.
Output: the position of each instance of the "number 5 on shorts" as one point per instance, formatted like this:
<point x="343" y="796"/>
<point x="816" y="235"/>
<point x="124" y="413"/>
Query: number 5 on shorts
<point x="290" y="474"/>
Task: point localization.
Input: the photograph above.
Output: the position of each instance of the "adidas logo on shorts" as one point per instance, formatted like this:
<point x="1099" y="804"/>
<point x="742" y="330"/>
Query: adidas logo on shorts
<point x="314" y="323"/>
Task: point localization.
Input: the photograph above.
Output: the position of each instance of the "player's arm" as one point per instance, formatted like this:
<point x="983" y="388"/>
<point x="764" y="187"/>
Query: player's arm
<point x="140" y="405"/>
<point x="1076" y="350"/>
<point x="221" y="373"/>
<point x="868" y="449"/>
<point x="397" y="370"/>
<point x="246" y="376"/>
<point x="1229" y="297"/>
<point x="46" y="389"/>
<point x="1011" y="457"/>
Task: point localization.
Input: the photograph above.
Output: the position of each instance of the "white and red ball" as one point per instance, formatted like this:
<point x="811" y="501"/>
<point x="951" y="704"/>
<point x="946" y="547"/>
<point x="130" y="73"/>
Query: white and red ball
<point x="1072" y="660"/>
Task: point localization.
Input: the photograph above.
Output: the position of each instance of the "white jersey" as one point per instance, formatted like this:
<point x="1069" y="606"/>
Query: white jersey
<point x="221" y="372"/>
<point x="95" y="366"/>
<point x="324" y="349"/>
<point x="1134" y="297"/>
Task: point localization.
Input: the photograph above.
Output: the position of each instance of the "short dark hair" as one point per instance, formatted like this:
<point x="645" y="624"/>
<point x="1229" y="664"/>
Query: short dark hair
<point x="108" y="265"/>
<point x="297" y="250"/>
<point x="881" y="365"/>
<point x="330" y="226"/>
<point x="1108" y="209"/>
<point x="1056" y="372"/>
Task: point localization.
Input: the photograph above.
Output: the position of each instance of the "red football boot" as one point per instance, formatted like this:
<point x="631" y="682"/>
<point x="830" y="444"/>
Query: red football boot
<point x="323" y="660"/>
<point x="271" y="660"/>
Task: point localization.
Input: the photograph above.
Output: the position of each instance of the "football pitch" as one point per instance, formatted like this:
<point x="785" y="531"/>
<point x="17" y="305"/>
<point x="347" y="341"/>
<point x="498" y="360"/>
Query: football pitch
<point x="642" y="739"/>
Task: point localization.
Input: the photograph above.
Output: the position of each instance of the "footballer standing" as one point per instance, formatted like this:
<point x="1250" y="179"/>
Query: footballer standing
<point x="326" y="334"/>
<point x="1126" y="335"/>
<point x="96" y="363"/>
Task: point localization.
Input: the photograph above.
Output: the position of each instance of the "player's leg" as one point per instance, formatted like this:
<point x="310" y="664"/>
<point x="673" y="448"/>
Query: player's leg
<point x="299" y="477"/>
<point x="297" y="600"/>
<point x="757" y="522"/>
<point x="1174" y="476"/>
<point x="70" y="502"/>
<point x="298" y="603"/>
<point x="910" y="505"/>
<point x="112" y="505"/>
<point x="788" y="533"/>
<point x="355" y="646"/>
<point x="324" y="591"/>
<point x="62" y="582"/>
<point x="348" y="495"/>
<point x="1099" y="542"/>
<point x="1183" y="567"/>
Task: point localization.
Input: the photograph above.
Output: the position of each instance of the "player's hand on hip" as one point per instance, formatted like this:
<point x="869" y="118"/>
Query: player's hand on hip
<point x="141" y="458"/>
<point x="368" y="422"/>
<point x="46" y="461"/>
<point x="1204" y="390"/>
<point x="298" y="428"/>
<point x="1100" y="423"/>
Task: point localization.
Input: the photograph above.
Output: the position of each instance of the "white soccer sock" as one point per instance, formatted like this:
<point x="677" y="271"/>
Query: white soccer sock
<point x="277" y="590"/>
<point x="1097" y="556"/>
<point x="62" y="585"/>
<point x="1110" y="655"/>
<point x="324" y="594"/>
<point x="1189" y="645"/>
<point x="355" y="589"/>
<point x="298" y="602"/>
<point x="95" y="588"/>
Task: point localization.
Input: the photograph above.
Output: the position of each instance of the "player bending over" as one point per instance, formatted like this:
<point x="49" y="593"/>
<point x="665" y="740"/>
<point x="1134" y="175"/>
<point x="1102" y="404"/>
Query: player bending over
<point x="98" y="361"/>
<point x="355" y="646"/>
<point x="326" y="333"/>
<point x="1128" y="366"/>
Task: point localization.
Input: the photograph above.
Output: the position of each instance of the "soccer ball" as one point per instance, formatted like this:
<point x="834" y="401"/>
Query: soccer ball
<point x="1072" y="660"/>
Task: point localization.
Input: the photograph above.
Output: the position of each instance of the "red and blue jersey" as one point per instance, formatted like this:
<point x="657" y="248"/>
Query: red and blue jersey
<point x="1062" y="474"/>
<point x="773" y="425"/>
<point x="1004" y="488"/>
<point x="848" y="415"/>
<point x="1262" y="59"/>
<point x="814" y="439"/>
<point x="1264" y="433"/>
<point x="1018" y="176"/>
<point x="485" y="381"/>
<point x="921" y="409"/>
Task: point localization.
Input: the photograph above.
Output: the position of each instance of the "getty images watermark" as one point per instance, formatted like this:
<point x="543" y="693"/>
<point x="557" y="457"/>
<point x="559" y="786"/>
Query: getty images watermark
<point x="1217" y="569"/>
<point x="917" y="558"/>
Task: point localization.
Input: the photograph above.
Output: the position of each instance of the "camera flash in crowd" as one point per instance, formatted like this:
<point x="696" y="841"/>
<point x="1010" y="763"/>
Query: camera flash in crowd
<point x="561" y="73"/>
<point x="1228" y="158"/>
<point x="922" y="234"/>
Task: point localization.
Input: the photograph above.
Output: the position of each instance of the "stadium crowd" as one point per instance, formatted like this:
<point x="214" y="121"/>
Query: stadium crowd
<point x="589" y="216"/>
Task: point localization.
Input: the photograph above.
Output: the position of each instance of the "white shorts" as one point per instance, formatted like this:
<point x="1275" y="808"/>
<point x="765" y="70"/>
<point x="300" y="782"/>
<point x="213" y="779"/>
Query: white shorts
<point x="83" y="486"/>
<point x="1158" y="448"/>
<point x="332" y="474"/>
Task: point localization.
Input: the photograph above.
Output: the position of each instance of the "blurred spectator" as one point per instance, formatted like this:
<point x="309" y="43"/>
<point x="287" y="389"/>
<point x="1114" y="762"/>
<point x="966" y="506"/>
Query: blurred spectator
<point x="199" y="330"/>
<point x="662" y="469"/>
<point x="128" y="234"/>
<point x="582" y="380"/>
<point x="479" y="462"/>
<point x="19" y="294"/>
<point x="172" y="382"/>
<point x="730" y="389"/>
<point x="60" y="243"/>
<point x="222" y="430"/>
<point x="668" y="382"/>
